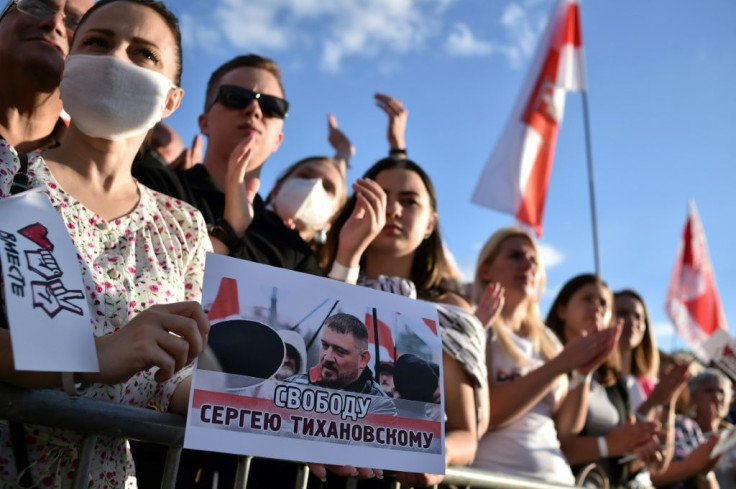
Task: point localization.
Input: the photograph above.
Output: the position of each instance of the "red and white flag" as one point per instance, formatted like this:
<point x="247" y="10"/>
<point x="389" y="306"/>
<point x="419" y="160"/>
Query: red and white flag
<point x="692" y="299"/>
<point x="515" y="178"/>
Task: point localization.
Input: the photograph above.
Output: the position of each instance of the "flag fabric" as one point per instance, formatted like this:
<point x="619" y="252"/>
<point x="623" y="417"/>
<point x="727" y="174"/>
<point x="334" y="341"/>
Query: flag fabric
<point x="515" y="177"/>
<point x="387" y="349"/>
<point x="226" y="304"/>
<point x="692" y="300"/>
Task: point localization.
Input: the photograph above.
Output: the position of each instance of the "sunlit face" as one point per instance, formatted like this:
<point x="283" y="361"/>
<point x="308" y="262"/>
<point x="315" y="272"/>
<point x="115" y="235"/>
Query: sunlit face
<point x="631" y="311"/>
<point x="135" y="34"/>
<point x="589" y="309"/>
<point x="711" y="400"/>
<point x="226" y="127"/>
<point x="341" y="359"/>
<point x="409" y="215"/>
<point x="41" y="44"/>
<point x="515" y="267"/>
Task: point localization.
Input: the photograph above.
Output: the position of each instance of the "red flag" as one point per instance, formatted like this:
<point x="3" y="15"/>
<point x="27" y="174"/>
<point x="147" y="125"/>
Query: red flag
<point x="692" y="299"/>
<point x="515" y="178"/>
<point x="385" y="337"/>
<point x="226" y="302"/>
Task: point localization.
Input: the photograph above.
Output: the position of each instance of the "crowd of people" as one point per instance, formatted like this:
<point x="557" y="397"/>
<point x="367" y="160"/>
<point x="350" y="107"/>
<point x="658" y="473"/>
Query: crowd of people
<point x="581" y="396"/>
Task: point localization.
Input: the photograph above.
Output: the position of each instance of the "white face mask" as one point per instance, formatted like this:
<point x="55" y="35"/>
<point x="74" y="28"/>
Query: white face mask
<point x="305" y="201"/>
<point x="110" y="99"/>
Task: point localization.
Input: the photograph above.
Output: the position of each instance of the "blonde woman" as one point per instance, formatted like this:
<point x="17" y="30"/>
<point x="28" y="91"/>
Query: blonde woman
<point x="532" y="402"/>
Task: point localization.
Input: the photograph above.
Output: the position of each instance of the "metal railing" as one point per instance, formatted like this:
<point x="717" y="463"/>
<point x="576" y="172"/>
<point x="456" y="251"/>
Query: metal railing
<point x="92" y="418"/>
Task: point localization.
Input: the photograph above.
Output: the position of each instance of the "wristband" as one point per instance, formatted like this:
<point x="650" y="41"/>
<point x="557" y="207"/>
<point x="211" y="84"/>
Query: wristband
<point x="341" y="272"/>
<point x="67" y="382"/>
<point x="579" y="379"/>
<point x="602" y="447"/>
<point x="397" y="151"/>
<point x="705" y="477"/>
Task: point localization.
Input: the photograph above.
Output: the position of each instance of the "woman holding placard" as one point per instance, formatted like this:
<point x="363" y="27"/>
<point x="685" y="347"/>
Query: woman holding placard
<point x="141" y="253"/>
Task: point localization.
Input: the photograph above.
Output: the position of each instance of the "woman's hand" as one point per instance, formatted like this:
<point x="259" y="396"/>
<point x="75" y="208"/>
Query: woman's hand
<point x="338" y="140"/>
<point x="320" y="471"/>
<point x="167" y="336"/>
<point x="364" y="224"/>
<point x="588" y="351"/>
<point x="491" y="303"/>
<point x="239" y="192"/>
<point x="626" y="438"/>
<point x="397" y="116"/>
<point x="411" y="479"/>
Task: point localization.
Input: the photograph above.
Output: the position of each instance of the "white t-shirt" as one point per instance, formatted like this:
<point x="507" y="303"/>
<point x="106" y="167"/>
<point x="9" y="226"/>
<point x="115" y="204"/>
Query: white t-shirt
<point x="528" y="447"/>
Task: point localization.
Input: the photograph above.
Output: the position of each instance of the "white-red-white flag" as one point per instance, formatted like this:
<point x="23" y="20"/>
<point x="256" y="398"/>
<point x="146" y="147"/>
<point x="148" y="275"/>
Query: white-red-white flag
<point x="515" y="178"/>
<point x="692" y="299"/>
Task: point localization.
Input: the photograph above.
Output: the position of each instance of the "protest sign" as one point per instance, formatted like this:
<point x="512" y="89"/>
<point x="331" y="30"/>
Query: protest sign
<point x="290" y="371"/>
<point x="46" y="308"/>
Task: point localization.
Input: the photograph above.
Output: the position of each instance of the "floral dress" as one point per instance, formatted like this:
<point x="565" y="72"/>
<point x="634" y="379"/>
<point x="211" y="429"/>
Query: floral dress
<point x="153" y="255"/>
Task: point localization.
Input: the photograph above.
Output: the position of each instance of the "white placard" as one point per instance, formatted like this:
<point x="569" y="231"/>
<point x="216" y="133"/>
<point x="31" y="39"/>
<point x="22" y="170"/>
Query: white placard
<point x="47" y="311"/>
<point x="239" y="406"/>
<point x="721" y="350"/>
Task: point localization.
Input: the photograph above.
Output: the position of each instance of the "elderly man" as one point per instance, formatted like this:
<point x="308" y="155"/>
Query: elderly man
<point x="35" y="37"/>
<point x="343" y="362"/>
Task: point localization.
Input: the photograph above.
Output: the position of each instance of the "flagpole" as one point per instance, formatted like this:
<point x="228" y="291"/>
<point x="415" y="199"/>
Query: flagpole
<point x="591" y="183"/>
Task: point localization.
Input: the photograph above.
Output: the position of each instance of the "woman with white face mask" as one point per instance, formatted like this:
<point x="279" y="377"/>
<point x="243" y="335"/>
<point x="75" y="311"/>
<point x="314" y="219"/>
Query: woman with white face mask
<point x="308" y="195"/>
<point x="142" y="253"/>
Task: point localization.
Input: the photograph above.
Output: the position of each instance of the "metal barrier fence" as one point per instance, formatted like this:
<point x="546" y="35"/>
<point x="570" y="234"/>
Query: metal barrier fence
<point x="92" y="418"/>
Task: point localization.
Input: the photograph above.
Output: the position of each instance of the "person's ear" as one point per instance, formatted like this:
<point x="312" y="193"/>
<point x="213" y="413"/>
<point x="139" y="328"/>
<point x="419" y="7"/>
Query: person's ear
<point x="173" y="101"/>
<point x="203" y="121"/>
<point x="561" y="311"/>
<point x="365" y="357"/>
<point x="431" y="225"/>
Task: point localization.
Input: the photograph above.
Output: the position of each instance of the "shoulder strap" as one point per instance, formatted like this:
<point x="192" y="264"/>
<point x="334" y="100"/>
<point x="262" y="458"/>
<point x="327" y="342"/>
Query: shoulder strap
<point x="20" y="182"/>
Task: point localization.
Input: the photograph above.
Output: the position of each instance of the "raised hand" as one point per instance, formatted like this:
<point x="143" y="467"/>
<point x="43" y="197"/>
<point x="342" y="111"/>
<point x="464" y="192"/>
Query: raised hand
<point x="364" y="224"/>
<point x="344" y="150"/>
<point x="189" y="156"/>
<point x="633" y="435"/>
<point x="491" y="303"/>
<point x="167" y="336"/>
<point x="397" y="116"/>
<point x="671" y="384"/>
<point x="239" y="191"/>
<point x="588" y="351"/>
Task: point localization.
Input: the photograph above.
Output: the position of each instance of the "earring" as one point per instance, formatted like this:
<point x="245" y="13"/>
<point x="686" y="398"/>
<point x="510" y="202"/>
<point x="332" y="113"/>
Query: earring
<point x="426" y="236"/>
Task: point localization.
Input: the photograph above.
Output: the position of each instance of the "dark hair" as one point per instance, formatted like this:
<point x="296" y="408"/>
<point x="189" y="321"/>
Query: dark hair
<point x="608" y="373"/>
<point x="161" y="9"/>
<point x="429" y="263"/>
<point x="348" y="324"/>
<point x="243" y="61"/>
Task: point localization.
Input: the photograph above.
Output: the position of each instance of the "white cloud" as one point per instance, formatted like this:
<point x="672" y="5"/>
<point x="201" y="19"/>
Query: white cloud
<point x="341" y="28"/>
<point x="462" y="42"/>
<point x="521" y="27"/>
<point x="551" y="256"/>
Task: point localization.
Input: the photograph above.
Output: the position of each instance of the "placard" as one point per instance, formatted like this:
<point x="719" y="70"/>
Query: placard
<point x="47" y="311"/>
<point x="311" y="369"/>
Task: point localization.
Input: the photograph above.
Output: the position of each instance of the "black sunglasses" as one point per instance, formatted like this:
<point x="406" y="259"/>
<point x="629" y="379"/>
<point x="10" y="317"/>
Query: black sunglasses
<point x="239" y="98"/>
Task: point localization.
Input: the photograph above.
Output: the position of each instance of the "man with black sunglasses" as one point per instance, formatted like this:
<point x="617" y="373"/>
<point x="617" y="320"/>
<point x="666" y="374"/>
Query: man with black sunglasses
<point x="35" y="36"/>
<point x="243" y="121"/>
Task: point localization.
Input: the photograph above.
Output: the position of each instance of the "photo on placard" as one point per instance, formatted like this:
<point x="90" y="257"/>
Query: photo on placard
<point x="301" y="366"/>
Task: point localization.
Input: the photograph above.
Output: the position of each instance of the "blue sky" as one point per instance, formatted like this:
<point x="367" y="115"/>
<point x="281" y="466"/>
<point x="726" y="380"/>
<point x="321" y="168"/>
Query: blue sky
<point x="660" y="76"/>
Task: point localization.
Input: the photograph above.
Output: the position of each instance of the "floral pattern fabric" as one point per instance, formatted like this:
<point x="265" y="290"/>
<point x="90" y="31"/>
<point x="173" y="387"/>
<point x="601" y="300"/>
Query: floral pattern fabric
<point x="153" y="255"/>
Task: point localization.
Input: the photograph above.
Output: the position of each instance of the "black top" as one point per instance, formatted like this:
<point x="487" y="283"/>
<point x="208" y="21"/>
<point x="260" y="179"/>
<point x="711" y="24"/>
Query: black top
<point x="267" y="240"/>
